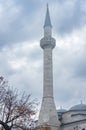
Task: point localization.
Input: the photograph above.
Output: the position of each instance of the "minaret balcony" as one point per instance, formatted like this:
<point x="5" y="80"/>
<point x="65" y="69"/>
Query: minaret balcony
<point x="47" y="42"/>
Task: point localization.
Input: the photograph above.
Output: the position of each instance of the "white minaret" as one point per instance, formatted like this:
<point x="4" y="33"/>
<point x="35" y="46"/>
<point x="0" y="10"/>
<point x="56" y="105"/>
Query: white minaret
<point x="48" y="114"/>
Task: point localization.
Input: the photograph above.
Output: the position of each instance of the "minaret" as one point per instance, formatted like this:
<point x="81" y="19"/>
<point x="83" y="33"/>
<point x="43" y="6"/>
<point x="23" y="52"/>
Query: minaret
<point x="48" y="114"/>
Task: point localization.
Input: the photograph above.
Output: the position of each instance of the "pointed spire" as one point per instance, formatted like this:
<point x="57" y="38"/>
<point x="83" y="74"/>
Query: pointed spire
<point x="47" y="18"/>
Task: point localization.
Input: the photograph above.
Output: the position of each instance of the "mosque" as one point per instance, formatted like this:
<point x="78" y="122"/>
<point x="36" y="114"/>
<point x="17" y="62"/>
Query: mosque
<point x="72" y="119"/>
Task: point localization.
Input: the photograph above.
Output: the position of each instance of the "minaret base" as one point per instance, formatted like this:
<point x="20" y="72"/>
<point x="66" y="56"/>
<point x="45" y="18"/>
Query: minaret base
<point x="47" y="128"/>
<point x="48" y="114"/>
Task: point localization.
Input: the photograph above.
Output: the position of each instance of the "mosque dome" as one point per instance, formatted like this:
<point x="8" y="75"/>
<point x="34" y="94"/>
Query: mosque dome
<point x="61" y="110"/>
<point x="78" y="107"/>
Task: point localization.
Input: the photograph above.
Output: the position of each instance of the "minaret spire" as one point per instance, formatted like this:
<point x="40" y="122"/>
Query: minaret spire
<point x="47" y="19"/>
<point x="47" y="25"/>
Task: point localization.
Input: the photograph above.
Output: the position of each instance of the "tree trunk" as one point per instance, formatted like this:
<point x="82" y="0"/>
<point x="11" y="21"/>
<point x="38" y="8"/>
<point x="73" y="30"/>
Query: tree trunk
<point x="6" y="127"/>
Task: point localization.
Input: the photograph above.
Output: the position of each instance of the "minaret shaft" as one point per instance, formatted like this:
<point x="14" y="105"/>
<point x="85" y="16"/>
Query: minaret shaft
<point x="48" y="73"/>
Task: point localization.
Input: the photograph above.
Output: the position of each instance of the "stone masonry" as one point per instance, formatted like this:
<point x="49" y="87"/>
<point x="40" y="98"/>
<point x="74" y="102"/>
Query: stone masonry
<point x="48" y="114"/>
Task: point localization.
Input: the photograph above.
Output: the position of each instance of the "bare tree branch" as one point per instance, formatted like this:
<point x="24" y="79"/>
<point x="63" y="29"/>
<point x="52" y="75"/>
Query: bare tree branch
<point x="16" y="111"/>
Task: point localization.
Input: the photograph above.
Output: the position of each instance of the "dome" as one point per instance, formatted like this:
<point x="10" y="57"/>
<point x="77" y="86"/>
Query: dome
<point x="61" y="110"/>
<point x="80" y="107"/>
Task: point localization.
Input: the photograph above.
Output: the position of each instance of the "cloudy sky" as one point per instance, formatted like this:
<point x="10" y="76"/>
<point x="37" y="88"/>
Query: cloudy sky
<point x="21" y="58"/>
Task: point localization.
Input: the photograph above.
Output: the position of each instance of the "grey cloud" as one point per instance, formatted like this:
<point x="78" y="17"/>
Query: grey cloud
<point x="70" y="74"/>
<point x="70" y="61"/>
<point x="5" y="68"/>
<point x="64" y="94"/>
<point x="18" y="26"/>
<point x="70" y="16"/>
<point x="80" y="65"/>
<point x="27" y="77"/>
<point x="68" y="67"/>
<point x="24" y="22"/>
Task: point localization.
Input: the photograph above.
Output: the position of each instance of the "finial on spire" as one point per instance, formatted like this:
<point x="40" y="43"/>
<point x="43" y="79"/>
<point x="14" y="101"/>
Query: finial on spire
<point x="47" y="18"/>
